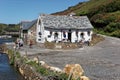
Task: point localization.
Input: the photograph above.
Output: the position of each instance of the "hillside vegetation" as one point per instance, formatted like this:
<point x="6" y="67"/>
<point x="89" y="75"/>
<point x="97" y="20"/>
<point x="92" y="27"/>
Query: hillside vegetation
<point x="8" y="28"/>
<point x="103" y="14"/>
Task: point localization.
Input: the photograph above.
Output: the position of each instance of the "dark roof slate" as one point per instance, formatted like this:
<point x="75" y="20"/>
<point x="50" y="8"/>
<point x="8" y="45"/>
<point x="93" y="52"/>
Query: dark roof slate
<point x="27" y="24"/>
<point x="66" y="22"/>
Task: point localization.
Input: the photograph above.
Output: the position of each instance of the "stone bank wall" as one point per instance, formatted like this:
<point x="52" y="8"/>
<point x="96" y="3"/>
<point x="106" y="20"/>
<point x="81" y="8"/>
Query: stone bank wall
<point x="39" y="70"/>
<point x="27" y="71"/>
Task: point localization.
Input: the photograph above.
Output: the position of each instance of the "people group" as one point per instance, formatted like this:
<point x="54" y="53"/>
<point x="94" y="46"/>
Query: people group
<point x="18" y="43"/>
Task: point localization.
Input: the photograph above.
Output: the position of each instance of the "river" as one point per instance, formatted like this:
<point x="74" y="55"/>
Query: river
<point x="7" y="72"/>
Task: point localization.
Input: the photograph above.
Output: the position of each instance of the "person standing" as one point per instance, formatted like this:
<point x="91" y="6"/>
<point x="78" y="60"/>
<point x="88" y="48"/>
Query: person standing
<point x="30" y="43"/>
<point x="21" y="43"/>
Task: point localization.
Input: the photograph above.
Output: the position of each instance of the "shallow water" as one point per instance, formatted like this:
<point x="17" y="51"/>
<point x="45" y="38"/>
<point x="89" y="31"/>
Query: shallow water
<point x="8" y="72"/>
<point x="3" y="40"/>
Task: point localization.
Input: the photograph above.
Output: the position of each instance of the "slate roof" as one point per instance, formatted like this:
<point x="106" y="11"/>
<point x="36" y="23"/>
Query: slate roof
<point x="27" y="24"/>
<point x="61" y="22"/>
<point x="66" y="22"/>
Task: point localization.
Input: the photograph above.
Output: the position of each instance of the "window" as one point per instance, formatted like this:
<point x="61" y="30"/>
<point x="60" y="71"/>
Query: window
<point x="39" y="39"/>
<point x="50" y="34"/>
<point x="56" y="35"/>
<point x="88" y="33"/>
<point x="77" y="33"/>
<point x="40" y="34"/>
<point x="64" y="34"/>
<point x="39" y="22"/>
<point x="82" y="35"/>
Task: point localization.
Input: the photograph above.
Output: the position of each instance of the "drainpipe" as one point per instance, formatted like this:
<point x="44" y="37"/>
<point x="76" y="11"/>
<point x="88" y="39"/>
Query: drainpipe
<point x="61" y="35"/>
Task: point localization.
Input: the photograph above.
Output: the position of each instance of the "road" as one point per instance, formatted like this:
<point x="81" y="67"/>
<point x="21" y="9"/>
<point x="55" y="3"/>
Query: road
<point x="100" y="62"/>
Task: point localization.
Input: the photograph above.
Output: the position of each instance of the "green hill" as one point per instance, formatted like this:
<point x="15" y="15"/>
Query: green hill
<point x="8" y="28"/>
<point x="103" y="14"/>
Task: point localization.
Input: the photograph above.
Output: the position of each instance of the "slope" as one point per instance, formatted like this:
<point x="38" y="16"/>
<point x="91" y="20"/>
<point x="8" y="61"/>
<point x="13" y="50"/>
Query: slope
<point x="103" y="14"/>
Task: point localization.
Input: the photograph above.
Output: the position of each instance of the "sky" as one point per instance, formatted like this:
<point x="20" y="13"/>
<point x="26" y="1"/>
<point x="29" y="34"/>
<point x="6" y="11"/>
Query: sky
<point x="14" y="11"/>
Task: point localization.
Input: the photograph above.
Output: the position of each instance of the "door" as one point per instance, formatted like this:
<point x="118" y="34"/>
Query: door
<point x="69" y="35"/>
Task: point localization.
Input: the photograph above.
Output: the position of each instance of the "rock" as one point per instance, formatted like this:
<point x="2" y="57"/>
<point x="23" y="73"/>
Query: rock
<point x="74" y="70"/>
<point x="21" y="71"/>
<point x="58" y="46"/>
<point x="42" y="63"/>
<point x="56" y="69"/>
<point x="36" y="59"/>
<point x="84" y="78"/>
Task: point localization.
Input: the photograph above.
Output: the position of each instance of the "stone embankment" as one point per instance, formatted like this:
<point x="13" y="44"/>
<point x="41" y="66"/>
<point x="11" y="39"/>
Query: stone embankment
<point x="34" y="69"/>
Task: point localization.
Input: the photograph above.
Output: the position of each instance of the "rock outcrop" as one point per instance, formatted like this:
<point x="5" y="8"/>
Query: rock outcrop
<point x="75" y="71"/>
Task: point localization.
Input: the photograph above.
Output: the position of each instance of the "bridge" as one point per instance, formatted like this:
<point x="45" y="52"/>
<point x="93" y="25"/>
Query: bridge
<point x="12" y="33"/>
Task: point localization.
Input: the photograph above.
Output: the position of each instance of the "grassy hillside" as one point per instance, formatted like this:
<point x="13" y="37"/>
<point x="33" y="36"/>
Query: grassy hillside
<point x="2" y="28"/>
<point x="103" y="14"/>
<point x="8" y="28"/>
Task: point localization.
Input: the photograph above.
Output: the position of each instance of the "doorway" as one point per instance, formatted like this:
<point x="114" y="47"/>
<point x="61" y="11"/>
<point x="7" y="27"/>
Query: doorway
<point x="69" y="35"/>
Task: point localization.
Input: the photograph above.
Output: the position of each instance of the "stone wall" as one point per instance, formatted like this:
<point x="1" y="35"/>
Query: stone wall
<point x="27" y="71"/>
<point x="31" y="69"/>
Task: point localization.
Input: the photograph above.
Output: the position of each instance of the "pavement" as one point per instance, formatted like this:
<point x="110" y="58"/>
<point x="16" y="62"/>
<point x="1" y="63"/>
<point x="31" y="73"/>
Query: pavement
<point x="100" y="62"/>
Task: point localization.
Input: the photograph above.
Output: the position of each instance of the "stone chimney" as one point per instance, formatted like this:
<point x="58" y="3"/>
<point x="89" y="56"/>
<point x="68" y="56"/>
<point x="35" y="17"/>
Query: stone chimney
<point x="72" y="14"/>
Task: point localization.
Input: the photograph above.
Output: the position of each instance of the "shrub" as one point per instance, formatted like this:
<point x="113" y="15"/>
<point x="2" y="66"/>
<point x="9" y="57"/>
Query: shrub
<point x="116" y="33"/>
<point x="112" y="27"/>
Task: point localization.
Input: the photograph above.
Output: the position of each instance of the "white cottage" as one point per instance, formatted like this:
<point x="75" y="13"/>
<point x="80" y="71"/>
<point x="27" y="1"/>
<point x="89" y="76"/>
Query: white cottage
<point x="54" y="28"/>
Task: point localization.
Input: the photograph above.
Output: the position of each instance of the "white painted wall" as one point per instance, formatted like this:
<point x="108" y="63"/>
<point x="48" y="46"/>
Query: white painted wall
<point x="40" y="28"/>
<point x="74" y="38"/>
<point x="50" y="39"/>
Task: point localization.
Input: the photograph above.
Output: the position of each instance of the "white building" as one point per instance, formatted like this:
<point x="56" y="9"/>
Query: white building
<point x="54" y="28"/>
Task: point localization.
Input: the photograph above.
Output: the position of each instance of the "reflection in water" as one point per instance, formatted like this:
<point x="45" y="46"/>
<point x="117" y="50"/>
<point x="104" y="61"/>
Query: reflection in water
<point x="8" y="72"/>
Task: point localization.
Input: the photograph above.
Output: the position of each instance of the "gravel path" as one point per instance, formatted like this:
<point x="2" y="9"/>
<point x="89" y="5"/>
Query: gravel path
<point x="100" y="62"/>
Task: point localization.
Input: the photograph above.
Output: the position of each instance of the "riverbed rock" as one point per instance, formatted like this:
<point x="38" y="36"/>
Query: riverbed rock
<point x="74" y="70"/>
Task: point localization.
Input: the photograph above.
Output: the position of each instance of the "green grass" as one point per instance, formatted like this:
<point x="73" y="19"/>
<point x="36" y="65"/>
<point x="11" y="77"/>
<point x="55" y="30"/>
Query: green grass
<point x="46" y="72"/>
<point x="11" y="57"/>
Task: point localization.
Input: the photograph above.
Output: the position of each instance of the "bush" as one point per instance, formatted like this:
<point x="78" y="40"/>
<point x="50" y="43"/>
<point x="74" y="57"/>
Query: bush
<point x="112" y="27"/>
<point x="116" y="33"/>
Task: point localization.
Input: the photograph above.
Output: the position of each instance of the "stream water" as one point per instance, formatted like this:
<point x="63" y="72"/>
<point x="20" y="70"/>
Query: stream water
<point x="7" y="72"/>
